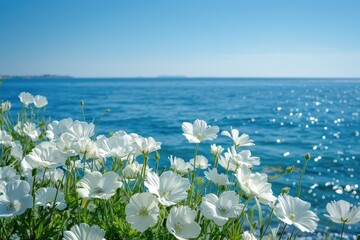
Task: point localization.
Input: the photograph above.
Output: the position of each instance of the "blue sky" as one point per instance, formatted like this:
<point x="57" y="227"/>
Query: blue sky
<point x="130" y="38"/>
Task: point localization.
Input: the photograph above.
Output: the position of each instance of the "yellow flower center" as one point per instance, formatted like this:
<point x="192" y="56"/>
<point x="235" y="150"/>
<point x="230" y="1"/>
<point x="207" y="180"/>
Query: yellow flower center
<point x="143" y="211"/>
<point x="178" y="227"/>
<point x="292" y="217"/>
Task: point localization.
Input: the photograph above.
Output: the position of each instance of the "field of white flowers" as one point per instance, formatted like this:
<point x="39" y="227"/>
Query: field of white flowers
<point x="58" y="180"/>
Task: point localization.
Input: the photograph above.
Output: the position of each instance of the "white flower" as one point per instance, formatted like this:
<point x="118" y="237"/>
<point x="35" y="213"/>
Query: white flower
<point x="142" y="212"/>
<point x="131" y="170"/>
<point x="239" y="141"/>
<point x="244" y="159"/>
<point x="179" y="165"/>
<point x="255" y="185"/>
<point x="146" y="145"/>
<point x="220" y="209"/>
<point x="181" y="223"/>
<point x="226" y="161"/>
<point x="56" y="128"/>
<point x="84" y="232"/>
<point x="248" y="236"/>
<point x="5" y="138"/>
<point x="169" y="187"/>
<point x="40" y="101"/>
<point x="26" y="98"/>
<point x="50" y="197"/>
<point x="8" y="174"/>
<point x="44" y="155"/>
<point x="116" y="147"/>
<point x="86" y="148"/>
<point x="341" y="212"/>
<point x="233" y="160"/>
<point x="219" y="179"/>
<point x="15" y="198"/>
<point x="65" y="145"/>
<point x="96" y="185"/>
<point x="199" y="131"/>
<point x="5" y="106"/>
<point x="216" y="150"/>
<point x="201" y="162"/>
<point x="31" y="131"/>
<point x="17" y="151"/>
<point x="81" y="130"/>
<point x="293" y="210"/>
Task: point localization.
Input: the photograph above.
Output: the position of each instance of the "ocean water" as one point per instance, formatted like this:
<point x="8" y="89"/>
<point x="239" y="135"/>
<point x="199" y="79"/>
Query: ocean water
<point x="285" y="117"/>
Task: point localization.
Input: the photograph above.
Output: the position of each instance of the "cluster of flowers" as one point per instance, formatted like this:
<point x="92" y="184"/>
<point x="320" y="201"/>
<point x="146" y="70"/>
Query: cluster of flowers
<point x="59" y="180"/>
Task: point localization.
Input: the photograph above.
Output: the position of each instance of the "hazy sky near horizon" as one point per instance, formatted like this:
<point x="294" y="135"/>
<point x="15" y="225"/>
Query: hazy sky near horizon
<point x="130" y="38"/>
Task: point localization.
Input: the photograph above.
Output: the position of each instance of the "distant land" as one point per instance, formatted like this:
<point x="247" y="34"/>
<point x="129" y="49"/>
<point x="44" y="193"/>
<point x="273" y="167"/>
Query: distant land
<point x="33" y="76"/>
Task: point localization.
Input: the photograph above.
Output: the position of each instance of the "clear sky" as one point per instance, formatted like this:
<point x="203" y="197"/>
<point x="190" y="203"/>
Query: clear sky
<point x="129" y="38"/>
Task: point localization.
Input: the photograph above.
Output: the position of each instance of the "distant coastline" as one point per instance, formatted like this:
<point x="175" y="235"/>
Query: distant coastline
<point x="33" y="76"/>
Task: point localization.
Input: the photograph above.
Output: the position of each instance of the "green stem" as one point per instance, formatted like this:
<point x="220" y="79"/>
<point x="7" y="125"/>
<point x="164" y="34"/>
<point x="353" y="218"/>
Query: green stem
<point x="330" y="229"/>
<point x="262" y="233"/>
<point x="292" y="232"/>
<point x="342" y="231"/>
<point x="195" y="154"/>
<point x="301" y="176"/>
<point x="283" y="231"/>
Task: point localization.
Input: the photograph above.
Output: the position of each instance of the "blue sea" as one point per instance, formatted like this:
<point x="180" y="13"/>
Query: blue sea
<point x="285" y="117"/>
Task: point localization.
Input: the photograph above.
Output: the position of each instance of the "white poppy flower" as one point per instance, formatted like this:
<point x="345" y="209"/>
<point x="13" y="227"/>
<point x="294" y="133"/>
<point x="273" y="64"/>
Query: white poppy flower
<point x="227" y="161"/>
<point x="15" y="198"/>
<point x="81" y="130"/>
<point x="31" y="131"/>
<point x="146" y="145"/>
<point x="169" y="187"/>
<point x="84" y="232"/>
<point x="26" y="98"/>
<point x="239" y="141"/>
<point x="45" y="197"/>
<point x="220" y="209"/>
<point x="241" y="159"/>
<point x="201" y="162"/>
<point x="116" y="147"/>
<point x="341" y="212"/>
<point x="5" y="106"/>
<point x="179" y="165"/>
<point x="57" y="128"/>
<point x="44" y="155"/>
<point x="96" y="185"/>
<point x="40" y="101"/>
<point x="255" y="185"/>
<point x="131" y="137"/>
<point x="5" y="138"/>
<point x="199" y="131"/>
<point x="293" y="210"/>
<point x="86" y="148"/>
<point x="219" y="179"/>
<point x="131" y="170"/>
<point x="17" y="151"/>
<point x="216" y="150"/>
<point x="248" y="236"/>
<point x="8" y="174"/>
<point x="142" y="211"/>
<point x="181" y="223"/>
<point x="65" y="145"/>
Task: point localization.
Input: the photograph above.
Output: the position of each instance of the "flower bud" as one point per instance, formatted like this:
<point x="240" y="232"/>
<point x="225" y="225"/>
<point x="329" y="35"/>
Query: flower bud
<point x="289" y="169"/>
<point x="157" y="156"/>
<point x="307" y="157"/>
<point x="285" y="190"/>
